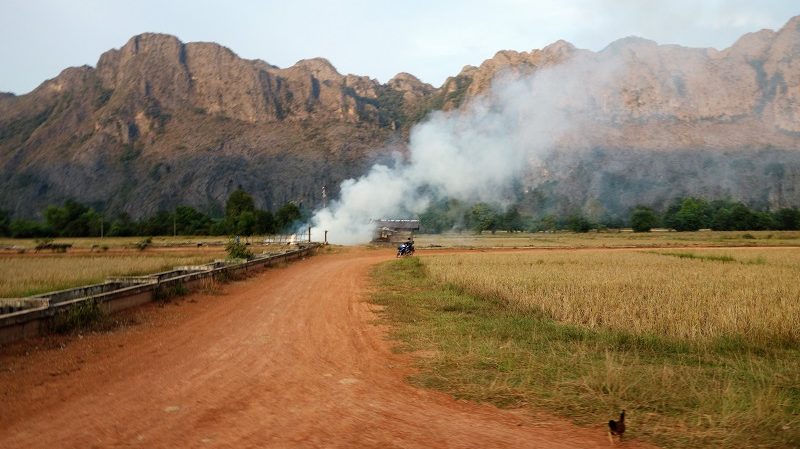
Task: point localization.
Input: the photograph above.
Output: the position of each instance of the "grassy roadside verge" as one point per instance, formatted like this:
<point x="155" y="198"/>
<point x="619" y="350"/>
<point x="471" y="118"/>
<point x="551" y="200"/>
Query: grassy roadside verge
<point x="677" y="395"/>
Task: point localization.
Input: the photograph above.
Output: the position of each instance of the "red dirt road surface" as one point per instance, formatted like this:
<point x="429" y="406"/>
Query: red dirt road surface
<point x="291" y="357"/>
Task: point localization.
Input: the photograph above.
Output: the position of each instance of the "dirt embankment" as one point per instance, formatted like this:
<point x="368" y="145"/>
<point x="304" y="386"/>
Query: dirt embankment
<point x="289" y="358"/>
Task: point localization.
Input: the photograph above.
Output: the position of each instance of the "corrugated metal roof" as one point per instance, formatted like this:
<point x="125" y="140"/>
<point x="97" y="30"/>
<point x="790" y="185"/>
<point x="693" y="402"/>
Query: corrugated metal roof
<point x="398" y="224"/>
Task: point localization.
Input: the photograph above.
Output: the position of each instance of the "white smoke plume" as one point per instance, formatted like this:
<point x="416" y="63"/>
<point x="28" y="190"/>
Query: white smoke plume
<point x="470" y="154"/>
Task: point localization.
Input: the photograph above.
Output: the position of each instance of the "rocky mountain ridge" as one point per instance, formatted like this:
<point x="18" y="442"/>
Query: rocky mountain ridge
<point x="158" y="123"/>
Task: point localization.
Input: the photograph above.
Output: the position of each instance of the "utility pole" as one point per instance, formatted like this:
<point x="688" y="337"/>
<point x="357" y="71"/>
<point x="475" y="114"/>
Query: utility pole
<point x="175" y="223"/>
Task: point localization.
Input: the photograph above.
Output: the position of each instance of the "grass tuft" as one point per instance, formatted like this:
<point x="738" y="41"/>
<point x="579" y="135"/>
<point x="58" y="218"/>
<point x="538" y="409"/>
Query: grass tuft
<point x="165" y="293"/>
<point x="712" y="257"/>
<point x="80" y="316"/>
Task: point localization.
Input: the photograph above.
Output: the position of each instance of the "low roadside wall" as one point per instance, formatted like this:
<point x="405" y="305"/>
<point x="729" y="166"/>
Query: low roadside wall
<point x="121" y="293"/>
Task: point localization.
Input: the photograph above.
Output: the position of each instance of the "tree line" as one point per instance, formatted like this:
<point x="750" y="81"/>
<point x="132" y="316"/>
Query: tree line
<point x="683" y="214"/>
<point x="73" y="219"/>
<point x="692" y="214"/>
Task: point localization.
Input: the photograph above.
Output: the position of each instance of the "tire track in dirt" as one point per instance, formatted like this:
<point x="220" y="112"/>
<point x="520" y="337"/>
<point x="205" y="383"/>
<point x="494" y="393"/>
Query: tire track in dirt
<point x="289" y="358"/>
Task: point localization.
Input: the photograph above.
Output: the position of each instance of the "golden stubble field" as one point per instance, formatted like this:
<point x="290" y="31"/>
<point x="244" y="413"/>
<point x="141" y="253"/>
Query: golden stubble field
<point x="697" y="335"/>
<point x="692" y="295"/>
<point x="609" y="239"/>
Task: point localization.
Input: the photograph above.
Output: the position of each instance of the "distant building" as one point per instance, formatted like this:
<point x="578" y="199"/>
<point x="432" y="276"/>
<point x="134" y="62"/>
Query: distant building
<point x="394" y="230"/>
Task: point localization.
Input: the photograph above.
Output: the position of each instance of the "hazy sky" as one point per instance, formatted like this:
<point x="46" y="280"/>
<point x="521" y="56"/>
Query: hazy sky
<point x="430" y="39"/>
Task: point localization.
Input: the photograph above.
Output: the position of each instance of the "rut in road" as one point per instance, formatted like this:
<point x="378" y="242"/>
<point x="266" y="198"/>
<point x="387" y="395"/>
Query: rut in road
<point x="291" y="357"/>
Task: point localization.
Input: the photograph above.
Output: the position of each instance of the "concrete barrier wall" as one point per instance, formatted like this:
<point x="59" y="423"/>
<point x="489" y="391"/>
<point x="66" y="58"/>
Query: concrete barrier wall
<point x="11" y="305"/>
<point x="115" y="296"/>
<point x="80" y="292"/>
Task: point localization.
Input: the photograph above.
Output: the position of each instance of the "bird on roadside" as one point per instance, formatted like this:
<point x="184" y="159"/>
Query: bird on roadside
<point x="616" y="427"/>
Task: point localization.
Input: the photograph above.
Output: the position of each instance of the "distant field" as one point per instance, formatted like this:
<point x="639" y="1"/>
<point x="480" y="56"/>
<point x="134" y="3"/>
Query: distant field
<point x="610" y="239"/>
<point x="24" y="275"/>
<point x="113" y="243"/>
<point x="24" y="271"/>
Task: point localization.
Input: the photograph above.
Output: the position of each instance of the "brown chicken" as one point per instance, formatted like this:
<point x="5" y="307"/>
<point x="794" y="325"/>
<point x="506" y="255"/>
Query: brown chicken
<point x="616" y="427"/>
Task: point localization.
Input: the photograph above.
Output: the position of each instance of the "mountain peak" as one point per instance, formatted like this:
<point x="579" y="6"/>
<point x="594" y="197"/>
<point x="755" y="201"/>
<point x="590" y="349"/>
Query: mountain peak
<point x="560" y="46"/>
<point x="752" y="45"/>
<point x="149" y="42"/>
<point x="405" y="77"/>
<point x="794" y="22"/>
<point x="320" y="67"/>
<point x="630" y="42"/>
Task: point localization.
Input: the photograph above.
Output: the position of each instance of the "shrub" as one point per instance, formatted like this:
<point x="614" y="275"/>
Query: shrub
<point x="80" y="316"/>
<point x="578" y="223"/>
<point x="237" y="249"/>
<point x="643" y="219"/>
<point x="164" y="293"/>
<point x="142" y="244"/>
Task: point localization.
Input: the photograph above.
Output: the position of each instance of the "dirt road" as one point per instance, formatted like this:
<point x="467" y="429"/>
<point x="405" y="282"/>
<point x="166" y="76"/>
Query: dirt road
<point x="289" y="358"/>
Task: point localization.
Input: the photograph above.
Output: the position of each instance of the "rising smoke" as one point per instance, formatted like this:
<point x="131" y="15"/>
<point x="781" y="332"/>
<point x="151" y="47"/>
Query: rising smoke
<point x="470" y="154"/>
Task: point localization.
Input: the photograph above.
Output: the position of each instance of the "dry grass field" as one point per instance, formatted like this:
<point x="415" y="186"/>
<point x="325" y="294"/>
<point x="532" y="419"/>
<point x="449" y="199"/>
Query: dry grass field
<point x="610" y="239"/>
<point x="24" y="271"/>
<point x="24" y="275"/>
<point x="697" y="296"/>
<point x="701" y="346"/>
<point x="117" y="243"/>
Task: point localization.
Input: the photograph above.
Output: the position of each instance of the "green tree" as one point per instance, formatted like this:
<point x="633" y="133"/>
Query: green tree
<point x="481" y="217"/>
<point x="190" y="221"/>
<point x="159" y="224"/>
<point x="286" y="217"/>
<point x="735" y="216"/>
<point x="22" y="228"/>
<point x="73" y="219"/>
<point x="643" y="219"/>
<point x="265" y="222"/>
<point x="55" y="217"/>
<point x="787" y="219"/>
<point x="691" y="214"/>
<point x="512" y="220"/>
<point x="546" y="223"/>
<point x="122" y="226"/>
<point x="578" y="223"/>
<point x="5" y="221"/>
<point x="246" y="223"/>
<point x="218" y="227"/>
<point x="765" y="220"/>
<point x="441" y="216"/>
<point x="238" y="202"/>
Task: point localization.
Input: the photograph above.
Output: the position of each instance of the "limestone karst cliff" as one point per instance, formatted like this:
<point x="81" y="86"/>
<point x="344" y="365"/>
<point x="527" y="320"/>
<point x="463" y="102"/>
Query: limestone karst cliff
<point x="159" y="122"/>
